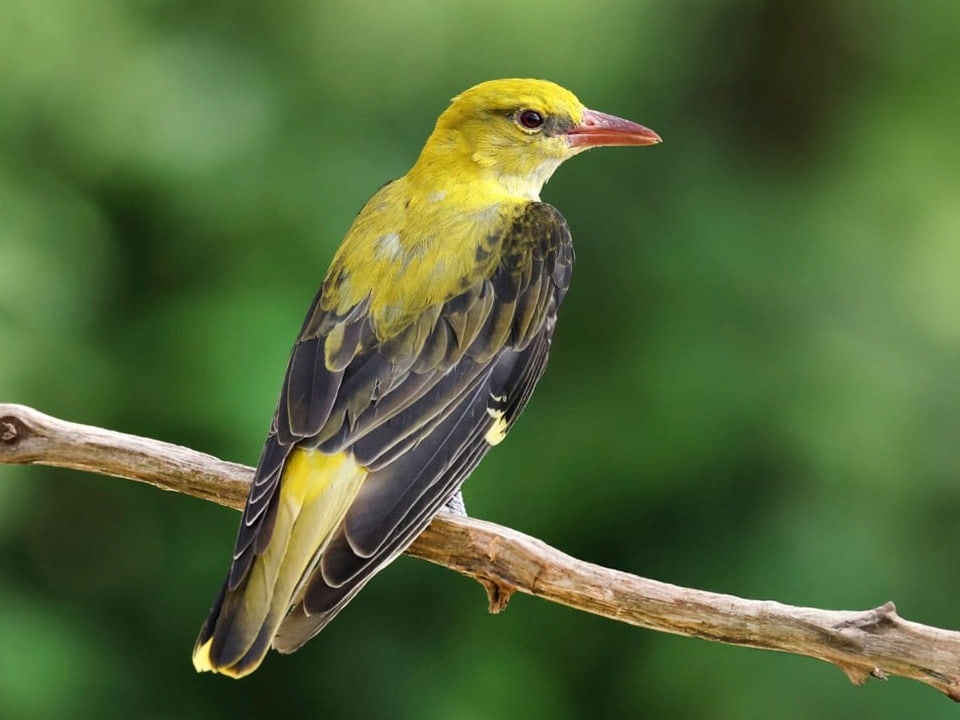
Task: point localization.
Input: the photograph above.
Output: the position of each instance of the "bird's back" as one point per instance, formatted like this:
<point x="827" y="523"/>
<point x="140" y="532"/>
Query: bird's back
<point x="415" y="245"/>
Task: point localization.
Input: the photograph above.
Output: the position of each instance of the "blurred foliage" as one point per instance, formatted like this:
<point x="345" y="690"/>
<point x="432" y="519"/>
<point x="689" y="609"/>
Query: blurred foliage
<point x="753" y="388"/>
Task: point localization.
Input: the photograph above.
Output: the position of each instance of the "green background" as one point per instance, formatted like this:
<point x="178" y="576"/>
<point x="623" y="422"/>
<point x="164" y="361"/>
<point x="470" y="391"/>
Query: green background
<point x="753" y="387"/>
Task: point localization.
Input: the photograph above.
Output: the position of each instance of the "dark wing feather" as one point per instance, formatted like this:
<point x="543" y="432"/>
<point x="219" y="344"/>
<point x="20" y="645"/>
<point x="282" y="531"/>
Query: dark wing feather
<point x="346" y="566"/>
<point x="413" y="409"/>
<point x="306" y="399"/>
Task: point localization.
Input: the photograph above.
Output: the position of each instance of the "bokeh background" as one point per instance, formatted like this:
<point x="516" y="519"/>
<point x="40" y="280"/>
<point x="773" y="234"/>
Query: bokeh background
<point x="753" y="389"/>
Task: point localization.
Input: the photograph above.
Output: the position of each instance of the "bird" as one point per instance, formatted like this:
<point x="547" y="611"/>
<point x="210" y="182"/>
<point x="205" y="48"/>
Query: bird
<point x="424" y="342"/>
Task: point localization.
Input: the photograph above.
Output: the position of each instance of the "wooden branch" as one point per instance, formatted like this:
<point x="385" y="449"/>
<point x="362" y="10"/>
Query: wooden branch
<point x="871" y="643"/>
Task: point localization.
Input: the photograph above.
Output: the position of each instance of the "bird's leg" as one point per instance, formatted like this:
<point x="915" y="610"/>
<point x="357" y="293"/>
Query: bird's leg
<point x="455" y="505"/>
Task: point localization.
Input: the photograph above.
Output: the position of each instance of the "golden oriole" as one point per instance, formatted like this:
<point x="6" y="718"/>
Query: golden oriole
<point x="420" y="349"/>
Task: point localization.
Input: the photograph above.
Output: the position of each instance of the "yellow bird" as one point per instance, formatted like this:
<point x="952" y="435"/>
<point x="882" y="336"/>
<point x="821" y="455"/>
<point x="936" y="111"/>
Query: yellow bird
<point x="420" y="349"/>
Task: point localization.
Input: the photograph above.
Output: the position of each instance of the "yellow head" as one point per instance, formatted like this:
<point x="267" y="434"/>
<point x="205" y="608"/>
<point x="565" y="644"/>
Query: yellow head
<point x="515" y="133"/>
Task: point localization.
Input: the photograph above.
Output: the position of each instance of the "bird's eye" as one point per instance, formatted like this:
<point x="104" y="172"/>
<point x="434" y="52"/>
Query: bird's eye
<point x="530" y="119"/>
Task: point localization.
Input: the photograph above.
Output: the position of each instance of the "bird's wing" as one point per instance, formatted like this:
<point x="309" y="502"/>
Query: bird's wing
<point x="395" y="504"/>
<point x="415" y="413"/>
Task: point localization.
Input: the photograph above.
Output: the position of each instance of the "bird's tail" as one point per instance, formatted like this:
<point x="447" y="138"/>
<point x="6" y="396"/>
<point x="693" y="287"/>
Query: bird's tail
<point x="314" y="493"/>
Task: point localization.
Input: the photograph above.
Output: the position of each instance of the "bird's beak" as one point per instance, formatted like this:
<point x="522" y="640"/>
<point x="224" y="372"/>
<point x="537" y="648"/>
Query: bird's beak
<point x="598" y="129"/>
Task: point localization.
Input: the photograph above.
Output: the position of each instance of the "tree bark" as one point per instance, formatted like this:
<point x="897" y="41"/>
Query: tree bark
<point x="868" y="643"/>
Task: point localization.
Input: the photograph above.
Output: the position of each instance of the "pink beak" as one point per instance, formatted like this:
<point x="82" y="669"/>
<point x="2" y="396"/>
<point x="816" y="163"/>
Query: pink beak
<point x="598" y="129"/>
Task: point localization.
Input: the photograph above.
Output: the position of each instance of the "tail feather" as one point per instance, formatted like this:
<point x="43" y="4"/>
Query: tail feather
<point x="344" y="571"/>
<point x="315" y="492"/>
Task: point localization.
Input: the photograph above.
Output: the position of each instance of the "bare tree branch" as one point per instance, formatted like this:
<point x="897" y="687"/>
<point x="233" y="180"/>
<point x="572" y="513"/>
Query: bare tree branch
<point x="870" y="643"/>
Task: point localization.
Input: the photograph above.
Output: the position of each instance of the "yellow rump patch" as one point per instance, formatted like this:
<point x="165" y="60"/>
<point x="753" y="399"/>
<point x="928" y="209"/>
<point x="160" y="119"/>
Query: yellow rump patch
<point x="310" y="473"/>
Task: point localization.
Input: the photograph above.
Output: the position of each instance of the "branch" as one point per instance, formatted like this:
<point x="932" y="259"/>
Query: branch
<point x="870" y="643"/>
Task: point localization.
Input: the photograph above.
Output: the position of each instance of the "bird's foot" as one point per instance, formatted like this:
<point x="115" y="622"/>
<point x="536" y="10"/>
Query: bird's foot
<point x="455" y="505"/>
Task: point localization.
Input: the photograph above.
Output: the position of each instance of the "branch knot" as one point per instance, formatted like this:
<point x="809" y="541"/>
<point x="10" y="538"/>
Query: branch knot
<point x="12" y="430"/>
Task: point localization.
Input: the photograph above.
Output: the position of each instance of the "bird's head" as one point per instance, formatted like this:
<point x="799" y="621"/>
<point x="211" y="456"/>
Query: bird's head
<point x="515" y="133"/>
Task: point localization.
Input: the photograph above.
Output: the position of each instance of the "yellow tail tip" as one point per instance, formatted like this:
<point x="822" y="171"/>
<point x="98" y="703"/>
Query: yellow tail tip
<point x="201" y="658"/>
<point x="202" y="663"/>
